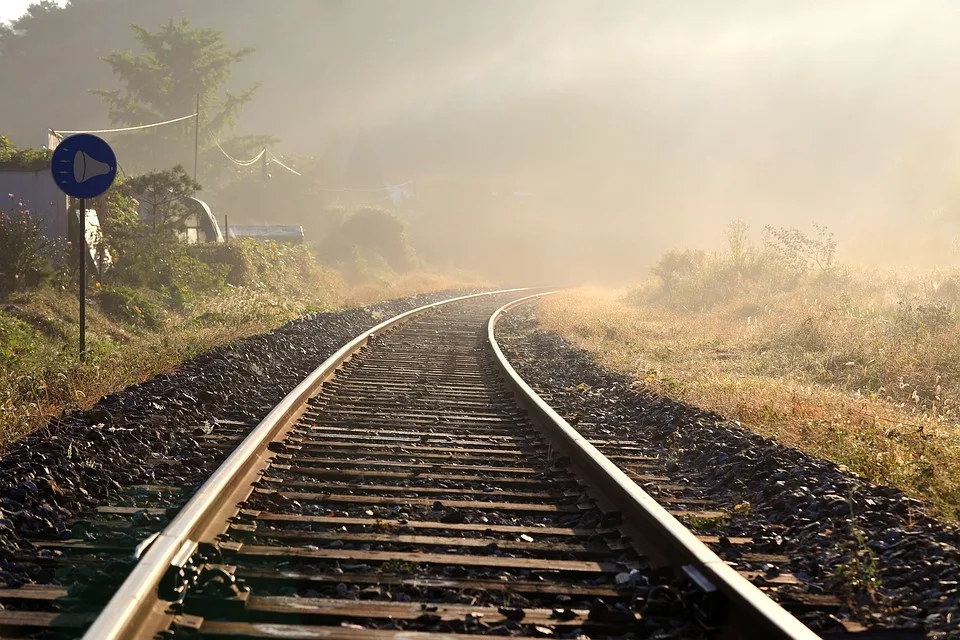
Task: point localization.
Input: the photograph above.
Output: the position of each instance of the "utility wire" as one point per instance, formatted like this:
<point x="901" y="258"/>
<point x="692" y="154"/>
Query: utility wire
<point x="274" y="158"/>
<point x="123" y="129"/>
<point x="241" y="163"/>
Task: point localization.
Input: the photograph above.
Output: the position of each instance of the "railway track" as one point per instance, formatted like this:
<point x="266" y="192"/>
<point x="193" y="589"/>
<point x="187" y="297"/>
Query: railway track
<point x="412" y="487"/>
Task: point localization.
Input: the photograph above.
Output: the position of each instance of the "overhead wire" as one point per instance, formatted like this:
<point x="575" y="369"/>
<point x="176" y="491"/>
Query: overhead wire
<point x="276" y="160"/>
<point x="240" y="163"/>
<point x="60" y="133"/>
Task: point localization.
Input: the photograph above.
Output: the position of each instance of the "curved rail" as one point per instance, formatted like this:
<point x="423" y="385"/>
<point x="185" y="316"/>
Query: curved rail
<point x="659" y="535"/>
<point x="133" y="604"/>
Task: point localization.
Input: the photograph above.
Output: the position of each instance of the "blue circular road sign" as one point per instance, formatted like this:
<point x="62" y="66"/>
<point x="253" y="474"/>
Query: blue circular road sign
<point x="83" y="166"/>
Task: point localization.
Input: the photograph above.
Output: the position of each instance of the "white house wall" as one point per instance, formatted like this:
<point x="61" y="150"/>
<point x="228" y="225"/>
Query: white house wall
<point x="39" y="194"/>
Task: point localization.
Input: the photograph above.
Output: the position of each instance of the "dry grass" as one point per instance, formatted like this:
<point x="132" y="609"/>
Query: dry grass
<point x="846" y="372"/>
<point x="41" y="376"/>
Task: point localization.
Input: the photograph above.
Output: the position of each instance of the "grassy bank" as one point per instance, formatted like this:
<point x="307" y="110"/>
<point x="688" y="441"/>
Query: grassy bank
<point x="860" y="368"/>
<point x="135" y="333"/>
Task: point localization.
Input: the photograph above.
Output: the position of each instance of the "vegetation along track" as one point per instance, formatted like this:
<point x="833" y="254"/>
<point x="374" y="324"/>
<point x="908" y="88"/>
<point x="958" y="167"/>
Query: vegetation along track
<point x="413" y="486"/>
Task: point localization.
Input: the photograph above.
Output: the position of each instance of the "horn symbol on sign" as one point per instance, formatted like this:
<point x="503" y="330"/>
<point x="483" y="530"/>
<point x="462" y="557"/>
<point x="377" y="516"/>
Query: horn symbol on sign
<point x="85" y="167"/>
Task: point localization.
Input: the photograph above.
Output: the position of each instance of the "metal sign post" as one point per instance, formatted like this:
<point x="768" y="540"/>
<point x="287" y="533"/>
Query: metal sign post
<point x="83" y="166"/>
<point x="83" y="278"/>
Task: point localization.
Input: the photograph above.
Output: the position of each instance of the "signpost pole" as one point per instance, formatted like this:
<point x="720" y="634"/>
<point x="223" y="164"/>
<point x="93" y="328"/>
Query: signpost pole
<point x="83" y="278"/>
<point x="83" y="166"/>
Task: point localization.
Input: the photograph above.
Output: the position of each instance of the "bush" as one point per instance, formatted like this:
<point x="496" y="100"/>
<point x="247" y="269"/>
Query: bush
<point x="259" y="264"/>
<point x="368" y="237"/>
<point x="14" y="159"/>
<point x="695" y="280"/>
<point x="27" y="256"/>
<point x="128" y="305"/>
<point x="162" y="263"/>
<point x="800" y="252"/>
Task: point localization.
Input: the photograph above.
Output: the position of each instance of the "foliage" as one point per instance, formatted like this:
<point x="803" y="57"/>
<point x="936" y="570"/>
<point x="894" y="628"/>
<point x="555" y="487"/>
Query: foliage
<point x="369" y="238"/>
<point x="803" y="253"/>
<point x="27" y="256"/>
<point x="858" y="571"/>
<point x="16" y="159"/>
<point x="120" y="224"/>
<point x="17" y="338"/>
<point x="159" y="261"/>
<point x="696" y="280"/>
<point x="738" y="242"/>
<point x="179" y="64"/>
<point x="163" y="195"/>
<point x="280" y="268"/>
<point x="130" y="306"/>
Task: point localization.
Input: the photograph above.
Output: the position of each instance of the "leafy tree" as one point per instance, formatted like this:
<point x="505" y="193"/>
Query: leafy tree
<point x="162" y="196"/>
<point x="179" y="64"/>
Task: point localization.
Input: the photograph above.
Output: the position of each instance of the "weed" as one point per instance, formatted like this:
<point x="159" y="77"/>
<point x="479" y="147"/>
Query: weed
<point x="399" y="566"/>
<point x="380" y="525"/>
<point x="858" y="572"/>
<point x="706" y="522"/>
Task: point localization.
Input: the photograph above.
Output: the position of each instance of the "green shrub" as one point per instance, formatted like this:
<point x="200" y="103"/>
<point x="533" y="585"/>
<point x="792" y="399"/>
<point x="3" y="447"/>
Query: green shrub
<point x="254" y="263"/>
<point x="162" y="263"/>
<point x="14" y="159"/>
<point x="27" y="256"/>
<point x="130" y="306"/>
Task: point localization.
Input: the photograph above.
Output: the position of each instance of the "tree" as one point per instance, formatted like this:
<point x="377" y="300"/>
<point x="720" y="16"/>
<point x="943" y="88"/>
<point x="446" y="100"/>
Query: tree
<point x="179" y="64"/>
<point x="162" y="196"/>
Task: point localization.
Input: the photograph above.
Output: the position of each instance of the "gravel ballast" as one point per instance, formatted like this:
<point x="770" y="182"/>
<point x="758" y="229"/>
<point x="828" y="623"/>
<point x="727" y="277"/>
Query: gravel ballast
<point x="870" y="545"/>
<point x="148" y="433"/>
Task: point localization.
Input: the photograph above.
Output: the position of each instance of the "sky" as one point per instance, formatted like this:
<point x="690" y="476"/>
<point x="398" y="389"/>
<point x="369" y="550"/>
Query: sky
<point x="13" y="9"/>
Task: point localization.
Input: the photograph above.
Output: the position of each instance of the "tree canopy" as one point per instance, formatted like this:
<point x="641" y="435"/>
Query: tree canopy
<point x="179" y="65"/>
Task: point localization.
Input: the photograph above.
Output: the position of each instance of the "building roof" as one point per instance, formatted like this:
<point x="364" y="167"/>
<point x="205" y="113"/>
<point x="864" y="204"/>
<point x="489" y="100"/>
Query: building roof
<point x="265" y="231"/>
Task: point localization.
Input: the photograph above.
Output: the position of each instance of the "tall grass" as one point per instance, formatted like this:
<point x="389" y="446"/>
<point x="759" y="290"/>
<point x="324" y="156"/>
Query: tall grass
<point x="861" y="367"/>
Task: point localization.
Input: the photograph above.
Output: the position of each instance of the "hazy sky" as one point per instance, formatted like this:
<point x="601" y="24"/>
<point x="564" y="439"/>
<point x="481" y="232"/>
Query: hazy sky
<point x="12" y="9"/>
<point x="659" y="116"/>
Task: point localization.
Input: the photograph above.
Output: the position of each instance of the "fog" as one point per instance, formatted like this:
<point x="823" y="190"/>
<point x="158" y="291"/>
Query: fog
<point x="631" y="126"/>
<point x="653" y="124"/>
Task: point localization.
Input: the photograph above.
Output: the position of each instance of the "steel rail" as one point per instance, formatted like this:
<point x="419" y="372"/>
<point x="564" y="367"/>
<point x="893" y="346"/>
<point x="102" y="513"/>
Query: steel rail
<point x="654" y="531"/>
<point x="136" y="601"/>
